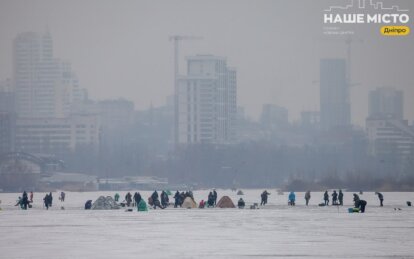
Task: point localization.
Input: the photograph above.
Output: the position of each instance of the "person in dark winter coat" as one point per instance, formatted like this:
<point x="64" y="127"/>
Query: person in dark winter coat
<point x="341" y="198"/>
<point x="46" y="201"/>
<point x="128" y="199"/>
<point x="50" y="199"/>
<point x="88" y="205"/>
<point x="25" y="201"/>
<point x="307" y="197"/>
<point x="334" y="198"/>
<point x="264" y="197"/>
<point x="361" y="205"/>
<point x="215" y="197"/>
<point x="137" y="198"/>
<point x="210" y="200"/>
<point x="155" y="200"/>
<point x="381" y="198"/>
<point x="164" y="199"/>
<point x="177" y="198"/>
<point x="326" y="198"/>
<point x="356" y="200"/>
<point x="241" y="203"/>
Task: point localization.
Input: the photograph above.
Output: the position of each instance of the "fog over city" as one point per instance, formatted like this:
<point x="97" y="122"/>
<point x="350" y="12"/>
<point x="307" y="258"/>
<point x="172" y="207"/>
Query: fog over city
<point x="122" y="94"/>
<point x="122" y="49"/>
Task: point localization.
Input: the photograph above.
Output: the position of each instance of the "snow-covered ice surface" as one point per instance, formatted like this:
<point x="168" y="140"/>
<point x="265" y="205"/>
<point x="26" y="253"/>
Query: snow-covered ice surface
<point x="276" y="230"/>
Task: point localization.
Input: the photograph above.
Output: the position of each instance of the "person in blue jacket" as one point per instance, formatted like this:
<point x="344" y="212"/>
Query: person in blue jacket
<point x="292" y="198"/>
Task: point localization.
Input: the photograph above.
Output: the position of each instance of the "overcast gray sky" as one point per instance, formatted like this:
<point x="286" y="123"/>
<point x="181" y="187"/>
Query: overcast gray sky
<point x="121" y="48"/>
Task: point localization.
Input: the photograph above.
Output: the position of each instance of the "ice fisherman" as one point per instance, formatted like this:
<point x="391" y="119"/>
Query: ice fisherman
<point x="116" y="197"/>
<point x="46" y="201"/>
<point x="25" y="200"/>
<point x="137" y="198"/>
<point x="50" y="199"/>
<point x="326" y="198"/>
<point x="142" y="206"/>
<point x="164" y="199"/>
<point x="292" y="198"/>
<point x="128" y="199"/>
<point x="341" y="198"/>
<point x="210" y="200"/>
<point x="361" y="205"/>
<point x="177" y="197"/>
<point x="31" y="197"/>
<point x="381" y="198"/>
<point x="264" y="197"/>
<point x="307" y="197"/>
<point x="155" y="200"/>
<point x="215" y="197"/>
<point x="356" y="200"/>
<point x="334" y="198"/>
<point x="62" y="196"/>
<point x="241" y="203"/>
<point x="88" y="204"/>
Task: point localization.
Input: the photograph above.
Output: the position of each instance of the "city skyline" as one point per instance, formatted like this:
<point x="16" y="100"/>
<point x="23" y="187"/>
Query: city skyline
<point x="265" y="74"/>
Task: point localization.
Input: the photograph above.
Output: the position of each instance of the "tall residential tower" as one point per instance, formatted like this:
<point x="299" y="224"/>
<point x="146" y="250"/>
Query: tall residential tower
<point x="207" y="101"/>
<point x="44" y="86"/>
<point x="334" y="94"/>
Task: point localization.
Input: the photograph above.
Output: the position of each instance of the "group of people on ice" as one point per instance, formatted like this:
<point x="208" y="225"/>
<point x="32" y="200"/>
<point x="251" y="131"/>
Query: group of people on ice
<point x="162" y="201"/>
<point x="25" y="200"/>
<point x="337" y="198"/>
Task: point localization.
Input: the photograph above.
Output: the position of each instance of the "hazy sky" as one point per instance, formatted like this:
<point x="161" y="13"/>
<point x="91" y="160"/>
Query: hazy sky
<point x="121" y="48"/>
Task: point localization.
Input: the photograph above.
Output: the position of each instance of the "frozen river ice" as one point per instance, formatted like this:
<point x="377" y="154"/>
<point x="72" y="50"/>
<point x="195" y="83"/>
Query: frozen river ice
<point x="274" y="231"/>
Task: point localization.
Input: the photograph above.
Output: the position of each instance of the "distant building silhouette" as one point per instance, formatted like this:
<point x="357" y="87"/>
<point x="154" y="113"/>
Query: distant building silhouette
<point x="274" y="117"/>
<point x="334" y="94"/>
<point x="44" y="86"/>
<point x="207" y="101"/>
<point x="7" y="131"/>
<point x="386" y="102"/>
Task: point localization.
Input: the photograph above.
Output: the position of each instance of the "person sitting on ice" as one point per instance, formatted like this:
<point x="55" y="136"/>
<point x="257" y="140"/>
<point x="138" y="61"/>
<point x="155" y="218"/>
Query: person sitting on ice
<point x="88" y="204"/>
<point x="241" y="203"/>
<point x="142" y="206"/>
<point x="292" y="198"/>
<point x="202" y="204"/>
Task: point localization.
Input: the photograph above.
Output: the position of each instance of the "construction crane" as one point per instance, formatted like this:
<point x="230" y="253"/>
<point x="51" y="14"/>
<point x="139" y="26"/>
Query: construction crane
<point x="176" y="39"/>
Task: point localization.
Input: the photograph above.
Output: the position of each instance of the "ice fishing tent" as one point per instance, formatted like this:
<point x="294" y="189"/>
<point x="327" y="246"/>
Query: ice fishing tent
<point x="189" y="203"/>
<point x="105" y="203"/>
<point x="225" y="202"/>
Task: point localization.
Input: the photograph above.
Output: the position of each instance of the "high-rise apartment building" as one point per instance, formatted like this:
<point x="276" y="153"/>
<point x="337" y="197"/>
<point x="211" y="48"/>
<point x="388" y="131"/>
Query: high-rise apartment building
<point x="44" y="86"/>
<point x="207" y="101"/>
<point x="386" y="102"/>
<point x="334" y="94"/>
